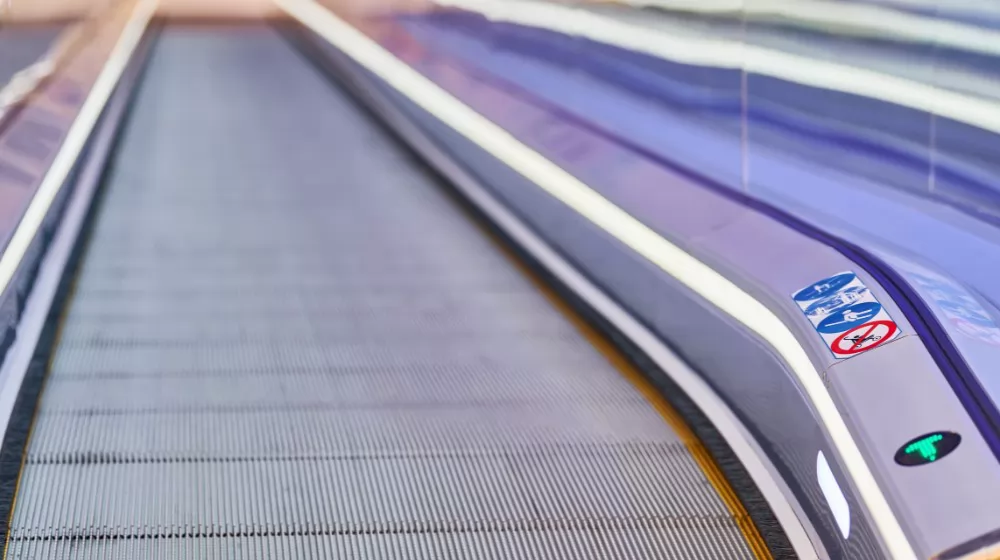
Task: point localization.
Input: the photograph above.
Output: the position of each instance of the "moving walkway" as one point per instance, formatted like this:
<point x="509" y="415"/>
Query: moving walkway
<point x="282" y="337"/>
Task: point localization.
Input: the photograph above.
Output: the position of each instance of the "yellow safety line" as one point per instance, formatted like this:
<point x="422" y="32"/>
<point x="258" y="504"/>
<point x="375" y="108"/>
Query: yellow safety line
<point x="694" y="446"/>
<point x="57" y="54"/>
<point x="67" y="39"/>
<point x="38" y="399"/>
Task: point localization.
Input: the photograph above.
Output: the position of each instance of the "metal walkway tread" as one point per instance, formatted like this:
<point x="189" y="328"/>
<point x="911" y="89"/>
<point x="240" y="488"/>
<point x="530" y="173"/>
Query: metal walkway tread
<point x="286" y="342"/>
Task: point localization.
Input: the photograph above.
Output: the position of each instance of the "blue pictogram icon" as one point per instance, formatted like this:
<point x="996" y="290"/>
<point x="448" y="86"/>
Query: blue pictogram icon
<point x="846" y="318"/>
<point x="824" y="287"/>
<point x="825" y="306"/>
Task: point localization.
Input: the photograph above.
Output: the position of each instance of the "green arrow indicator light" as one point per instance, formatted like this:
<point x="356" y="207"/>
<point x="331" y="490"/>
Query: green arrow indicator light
<point x="927" y="448"/>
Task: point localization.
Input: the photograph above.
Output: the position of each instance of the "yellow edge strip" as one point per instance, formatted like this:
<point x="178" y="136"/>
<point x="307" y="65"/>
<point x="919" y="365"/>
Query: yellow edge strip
<point x="31" y="425"/>
<point x="713" y="473"/>
<point x="696" y="275"/>
<point x="694" y="445"/>
<point x="65" y="159"/>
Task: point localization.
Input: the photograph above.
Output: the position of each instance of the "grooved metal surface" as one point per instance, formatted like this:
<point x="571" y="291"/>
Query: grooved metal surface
<point x="287" y="342"/>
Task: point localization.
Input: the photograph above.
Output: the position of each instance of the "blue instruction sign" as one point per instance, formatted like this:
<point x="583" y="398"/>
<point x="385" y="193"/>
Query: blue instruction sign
<point x="846" y="318"/>
<point x="846" y="296"/>
<point x="846" y="315"/>
<point x="824" y="287"/>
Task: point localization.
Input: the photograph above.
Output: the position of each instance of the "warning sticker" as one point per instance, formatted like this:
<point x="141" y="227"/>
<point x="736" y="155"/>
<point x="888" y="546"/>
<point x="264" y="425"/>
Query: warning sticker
<point x="846" y="314"/>
<point x="865" y="337"/>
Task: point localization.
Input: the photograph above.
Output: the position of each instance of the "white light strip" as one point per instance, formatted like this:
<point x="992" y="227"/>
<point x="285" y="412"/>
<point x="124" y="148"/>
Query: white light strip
<point x="835" y="498"/>
<point x="861" y="19"/>
<point x="722" y="53"/>
<point x="694" y="274"/>
<point x="76" y="139"/>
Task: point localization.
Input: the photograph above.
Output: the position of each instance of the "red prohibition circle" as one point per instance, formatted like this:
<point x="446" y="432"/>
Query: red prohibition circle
<point x="865" y="330"/>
